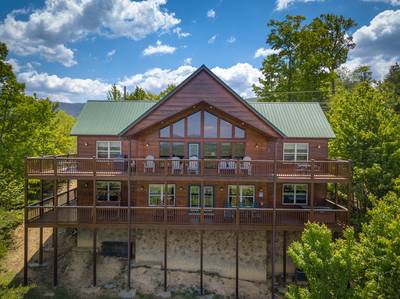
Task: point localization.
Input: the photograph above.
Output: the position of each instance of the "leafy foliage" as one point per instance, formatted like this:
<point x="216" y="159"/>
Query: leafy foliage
<point x="346" y="268"/>
<point x="368" y="133"/>
<point x="114" y="94"/>
<point x="326" y="264"/>
<point x="307" y="57"/>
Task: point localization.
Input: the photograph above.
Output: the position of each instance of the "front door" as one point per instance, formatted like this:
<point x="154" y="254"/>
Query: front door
<point x="193" y="150"/>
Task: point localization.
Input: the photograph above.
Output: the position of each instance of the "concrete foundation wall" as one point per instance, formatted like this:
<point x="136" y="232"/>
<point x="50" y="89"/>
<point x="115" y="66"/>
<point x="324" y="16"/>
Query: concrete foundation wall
<point x="218" y="250"/>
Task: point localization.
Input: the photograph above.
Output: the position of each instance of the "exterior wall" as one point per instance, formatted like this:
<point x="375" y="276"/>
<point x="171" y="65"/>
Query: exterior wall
<point x="183" y="250"/>
<point x="263" y="194"/>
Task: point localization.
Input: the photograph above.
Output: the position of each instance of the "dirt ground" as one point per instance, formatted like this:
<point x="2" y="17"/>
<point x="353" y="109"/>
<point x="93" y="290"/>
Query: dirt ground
<point x="75" y="273"/>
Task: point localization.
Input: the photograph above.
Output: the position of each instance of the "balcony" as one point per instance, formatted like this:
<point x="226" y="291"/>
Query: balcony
<point x="79" y="167"/>
<point x="68" y="214"/>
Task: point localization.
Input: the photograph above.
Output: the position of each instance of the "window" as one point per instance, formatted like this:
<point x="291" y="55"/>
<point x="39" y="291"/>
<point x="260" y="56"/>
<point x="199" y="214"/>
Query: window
<point x="210" y="150"/>
<point x="295" y="194"/>
<point x="210" y="125"/>
<point x="225" y="129"/>
<point x="193" y="150"/>
<point x="195" y="197"/>
<point x="238" y="150"/>
<point x="157" y="194"/>
<point x="178" y="128"/>
<point x="226" y="150"/>
<point x="178" y="150"/>
<point x="239" y="133"/>
<point x="165" y="132"/>
<point x="108" y="191"/>
<point x="246" y="196"/>
<point x="164" y="150"/>
<point x="108" y="149"/>
<point x="295" y="151"/>
<point x="194" y="125"/>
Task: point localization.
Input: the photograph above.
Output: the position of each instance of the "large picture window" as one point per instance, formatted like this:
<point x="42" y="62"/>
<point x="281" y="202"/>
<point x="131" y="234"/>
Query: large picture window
<point x="295" y="151"/>
<point x="108" y="149"/>
<point x="296" y="194"/>
<point x="202" y="124"/>
<point x="160" y="192"/>
<point x="108" y="191"/>
<point x="246" y="196"/>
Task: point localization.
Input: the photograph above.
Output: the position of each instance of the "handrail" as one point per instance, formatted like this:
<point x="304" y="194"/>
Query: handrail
<point x="51" y="197"/>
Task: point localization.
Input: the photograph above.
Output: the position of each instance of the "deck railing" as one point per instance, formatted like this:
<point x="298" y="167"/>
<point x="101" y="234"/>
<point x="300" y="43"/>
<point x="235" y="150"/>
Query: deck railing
<point x="81" y="167"/>
<point x="185" y="216"/>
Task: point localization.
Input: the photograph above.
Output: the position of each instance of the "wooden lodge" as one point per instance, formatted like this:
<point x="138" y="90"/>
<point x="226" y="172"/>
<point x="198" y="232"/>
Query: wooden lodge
<point x="201" y="159"/>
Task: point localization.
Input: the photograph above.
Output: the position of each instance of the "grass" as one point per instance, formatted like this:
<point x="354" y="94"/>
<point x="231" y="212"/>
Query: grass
<point x="8" y="221"/>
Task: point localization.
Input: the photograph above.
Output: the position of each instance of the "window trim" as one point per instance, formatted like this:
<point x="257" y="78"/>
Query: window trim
<point x="161" y="195"/>
<point x="108" y="191"/>
<point x="108" y="148"/>
<point x="294" y="195"/>
<point x="295" y="151"/>
<point x="201" y="200"/>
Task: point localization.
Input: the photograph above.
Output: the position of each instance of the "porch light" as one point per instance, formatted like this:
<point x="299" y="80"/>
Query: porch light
<point x="86" y="144"/>
<point x="256" y="145"/>
<point x="318" y="146"/>
<point x="221" y="188"/>
<point x="147" y="144"/>
<point x="181" y="188"/>
<point x="141" y="188"/>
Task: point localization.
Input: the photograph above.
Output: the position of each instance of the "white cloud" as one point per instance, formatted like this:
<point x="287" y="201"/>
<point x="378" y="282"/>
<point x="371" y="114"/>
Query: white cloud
<point x="264" y="52"/>
<point x="231" y="40"/>
<point x="46" y="31"/>
<point x="180" y="33"/>
<point x="187" y="61"/>
<point x="211" y="13"/>
<point x="64" y="89"/>
<point x="111" y="53"/>
<point x="158" y="79"/>
<point x="158" y="48"/>
<point x="377" y="44"/>
<point x="212" y="39"/>
<point x="284" y="4"/>
<point x="240" y="77"/>
<point x="15" y="65"/>
<point x="391" y="2"/>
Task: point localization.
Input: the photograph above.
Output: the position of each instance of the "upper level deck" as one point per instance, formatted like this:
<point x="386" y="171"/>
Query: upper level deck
<point x="50" y="167"/>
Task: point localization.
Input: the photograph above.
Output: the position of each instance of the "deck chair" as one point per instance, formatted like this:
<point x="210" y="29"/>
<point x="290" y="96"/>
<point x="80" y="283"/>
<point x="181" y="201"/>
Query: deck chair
<point x="193" y="166"/>
<point x="176" y="165"/>
<point x="149" y="164"/>
<point x="245" y="165"/>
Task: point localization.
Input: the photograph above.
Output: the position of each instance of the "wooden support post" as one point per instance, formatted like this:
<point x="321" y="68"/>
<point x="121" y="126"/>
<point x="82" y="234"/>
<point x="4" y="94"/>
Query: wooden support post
<point x="237" y="204"/>
<point x="26" y="227"/>
<point x="284" y="247"/>
<point x="55" y="199"/>
<point x="201" y="263"/>
<point x="237" y="265"/>
<point x="165" y="258"/>
<point x="94" y="252"/>
<point x="129" y="215"/>
<point x="41" y="228"/>
<point x="55" y="255"/>
<point x="274" y="224"/>
<point x="336" y="193"/>
<point x="266" y="256"/>
<point x="312" y="200"/>
<point x="68" y="192"/>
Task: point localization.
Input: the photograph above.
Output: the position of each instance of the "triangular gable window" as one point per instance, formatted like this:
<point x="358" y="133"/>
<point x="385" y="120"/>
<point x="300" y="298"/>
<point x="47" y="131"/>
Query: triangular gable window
<point x="202" y="124"/>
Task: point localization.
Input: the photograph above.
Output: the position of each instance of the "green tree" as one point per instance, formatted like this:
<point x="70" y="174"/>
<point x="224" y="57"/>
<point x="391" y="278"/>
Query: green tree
<point x="166" y="91"/>
<point x="331" y="41"/>
<point x="391" y="85"/>
<point x="114" y="94"/>
<point x="327" y="265"/>
<point x="139" y="94"/>
<point x="346" y="268"/>
<point x="378" y="252"/>
<point x="307" y="58"/>
<point x="367" y="132"/>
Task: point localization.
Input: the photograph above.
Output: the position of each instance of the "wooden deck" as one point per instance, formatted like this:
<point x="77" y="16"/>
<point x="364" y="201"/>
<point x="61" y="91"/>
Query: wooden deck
<point x="141" y="169"/>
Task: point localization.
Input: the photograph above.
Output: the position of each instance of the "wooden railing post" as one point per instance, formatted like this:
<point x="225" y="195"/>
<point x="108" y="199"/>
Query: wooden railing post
<point x="94" y="165"/>
<point x="237" y="205"/>
<point x="55" y="165"/>
<point x="25" y="223"/>
<point x="202" y="203"/>
<point x="165" y="202"/>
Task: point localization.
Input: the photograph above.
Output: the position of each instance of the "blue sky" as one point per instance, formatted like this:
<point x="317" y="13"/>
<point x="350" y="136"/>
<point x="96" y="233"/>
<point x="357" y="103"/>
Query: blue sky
<point x="73" y="50"/>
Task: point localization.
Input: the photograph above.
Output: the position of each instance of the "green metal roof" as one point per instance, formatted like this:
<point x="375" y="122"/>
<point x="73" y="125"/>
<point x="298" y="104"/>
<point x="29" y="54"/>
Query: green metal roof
<point x="292" y="119"/>
<point x="108" y="118"/>
<point x="296" y="119"/>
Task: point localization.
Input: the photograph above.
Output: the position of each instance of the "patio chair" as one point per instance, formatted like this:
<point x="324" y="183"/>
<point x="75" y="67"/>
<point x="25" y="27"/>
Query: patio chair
<point x="176" y="165"/>
<point x="245" y="165"/>
<point x="149" y="164"/>
<point x="193" y="166"/>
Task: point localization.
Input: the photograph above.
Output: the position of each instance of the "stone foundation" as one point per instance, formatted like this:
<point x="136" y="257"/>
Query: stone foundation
<point x="218" y="251"/>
